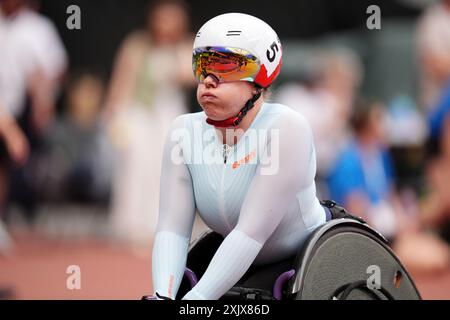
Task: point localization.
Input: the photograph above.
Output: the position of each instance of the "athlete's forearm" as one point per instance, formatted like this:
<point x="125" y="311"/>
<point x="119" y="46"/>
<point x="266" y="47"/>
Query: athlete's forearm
<point x="169" y="262"/>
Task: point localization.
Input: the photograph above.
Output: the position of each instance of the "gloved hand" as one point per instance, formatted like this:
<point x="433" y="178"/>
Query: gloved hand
<point x="156" y="296"/>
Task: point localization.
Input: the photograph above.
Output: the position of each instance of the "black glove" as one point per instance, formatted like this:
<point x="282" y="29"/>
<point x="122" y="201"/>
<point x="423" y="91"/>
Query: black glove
<point x="157" y="296"/>
<point x="338" y="212"/>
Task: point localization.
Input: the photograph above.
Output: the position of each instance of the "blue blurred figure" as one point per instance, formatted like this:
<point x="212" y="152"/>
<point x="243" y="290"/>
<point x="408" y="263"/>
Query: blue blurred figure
<point x="362" y="178"/>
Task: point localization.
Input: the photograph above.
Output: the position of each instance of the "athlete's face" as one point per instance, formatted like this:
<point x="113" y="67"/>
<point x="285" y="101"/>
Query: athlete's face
<point x="223" y="100"/>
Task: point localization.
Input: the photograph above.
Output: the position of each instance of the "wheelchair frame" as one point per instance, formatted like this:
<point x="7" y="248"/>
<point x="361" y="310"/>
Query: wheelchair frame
<point x="291" y="283"/>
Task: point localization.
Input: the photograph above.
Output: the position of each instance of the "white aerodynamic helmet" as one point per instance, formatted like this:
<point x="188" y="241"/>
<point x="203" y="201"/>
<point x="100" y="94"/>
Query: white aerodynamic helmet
<point x="237" y="47"/>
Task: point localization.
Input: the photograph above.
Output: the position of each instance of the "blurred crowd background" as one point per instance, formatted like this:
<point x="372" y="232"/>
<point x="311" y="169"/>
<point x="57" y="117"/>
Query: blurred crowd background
<point x="83" y="114"/>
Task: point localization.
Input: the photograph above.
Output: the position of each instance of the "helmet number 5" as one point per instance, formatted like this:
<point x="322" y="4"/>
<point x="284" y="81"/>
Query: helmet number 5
<point x="272" y="52"/>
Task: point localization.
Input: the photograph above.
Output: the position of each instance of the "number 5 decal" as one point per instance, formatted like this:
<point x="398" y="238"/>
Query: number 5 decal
<point x="272" y="52"/>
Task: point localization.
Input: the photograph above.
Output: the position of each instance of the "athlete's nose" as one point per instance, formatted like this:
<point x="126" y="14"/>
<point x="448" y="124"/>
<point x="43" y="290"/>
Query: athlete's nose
<point x="211" y="81"/>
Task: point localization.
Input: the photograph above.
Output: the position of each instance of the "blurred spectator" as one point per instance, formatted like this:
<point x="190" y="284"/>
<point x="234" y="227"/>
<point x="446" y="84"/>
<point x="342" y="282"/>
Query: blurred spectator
<point x="14" y="146"/>
<point x="438" y="116"/>
<point x="78" y="165"/>
<point x="406" y="125"/>
<point x="146" y="93"/>
<point x="434" y="51"/>
<point x="14" y="149"/>
<point x="363" y="178"/>
<point x="428" y="249"/>
<point x="325" y="97"/>
<point x="436" y="204"/>
<point x="32" y="63"/>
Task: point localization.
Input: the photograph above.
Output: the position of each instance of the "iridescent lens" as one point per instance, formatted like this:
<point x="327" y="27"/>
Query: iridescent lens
<point x="227" y="64"/>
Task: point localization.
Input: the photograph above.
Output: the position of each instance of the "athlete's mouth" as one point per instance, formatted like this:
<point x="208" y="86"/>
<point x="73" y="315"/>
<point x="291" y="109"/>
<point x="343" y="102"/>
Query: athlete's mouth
<point x="208" y="95"/>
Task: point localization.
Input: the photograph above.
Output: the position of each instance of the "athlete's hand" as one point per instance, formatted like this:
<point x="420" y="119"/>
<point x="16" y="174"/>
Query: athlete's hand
<point x="150" y="298"/>
<point x="156" y="296"/>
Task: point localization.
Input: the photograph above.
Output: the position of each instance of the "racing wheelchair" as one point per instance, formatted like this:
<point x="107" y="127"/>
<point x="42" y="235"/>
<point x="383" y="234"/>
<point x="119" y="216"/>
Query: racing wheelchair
<point x="344" y="259"/>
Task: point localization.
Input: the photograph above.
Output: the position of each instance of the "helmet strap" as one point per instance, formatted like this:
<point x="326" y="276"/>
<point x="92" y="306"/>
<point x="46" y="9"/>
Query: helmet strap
<point x="235" y="121"/>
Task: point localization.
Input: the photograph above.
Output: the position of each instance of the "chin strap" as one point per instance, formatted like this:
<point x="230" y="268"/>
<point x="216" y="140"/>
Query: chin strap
<point x="234" y="121"/>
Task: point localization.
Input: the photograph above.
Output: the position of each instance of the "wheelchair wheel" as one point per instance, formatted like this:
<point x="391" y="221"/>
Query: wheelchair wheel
<point x="349" y="260"/>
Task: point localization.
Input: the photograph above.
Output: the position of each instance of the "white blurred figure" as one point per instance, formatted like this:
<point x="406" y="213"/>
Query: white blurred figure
<point x="32" y="63"/>
<point x="433" y="37"/>
<point x="152" y="69"/>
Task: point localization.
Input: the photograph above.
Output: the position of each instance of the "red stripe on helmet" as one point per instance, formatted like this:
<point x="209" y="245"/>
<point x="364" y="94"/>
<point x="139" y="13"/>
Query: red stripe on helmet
<point x="262" y="78"/>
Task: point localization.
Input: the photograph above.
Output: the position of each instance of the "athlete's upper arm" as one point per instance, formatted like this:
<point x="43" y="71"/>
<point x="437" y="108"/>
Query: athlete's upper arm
<point x="177" y="205"/>
<point x="286" y="166"/>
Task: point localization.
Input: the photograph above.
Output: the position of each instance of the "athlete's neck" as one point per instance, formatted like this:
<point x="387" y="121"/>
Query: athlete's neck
<point x="231" y="135"/>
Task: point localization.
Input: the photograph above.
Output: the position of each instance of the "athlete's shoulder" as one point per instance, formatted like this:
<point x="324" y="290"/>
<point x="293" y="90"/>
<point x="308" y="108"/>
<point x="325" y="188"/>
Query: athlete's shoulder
<point x="283" y="116"/>
<point x="187" y="119"/>
<point x="282" y="110"/>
